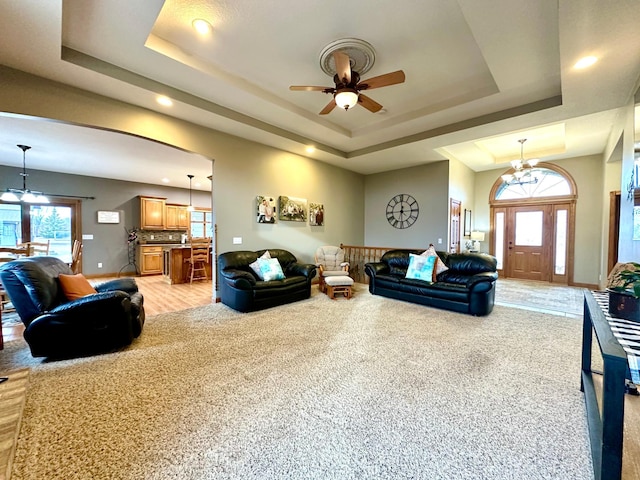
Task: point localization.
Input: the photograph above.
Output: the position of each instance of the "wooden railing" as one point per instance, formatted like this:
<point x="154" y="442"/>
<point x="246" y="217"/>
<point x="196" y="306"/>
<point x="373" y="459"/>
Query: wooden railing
<point x="357" y="256"/>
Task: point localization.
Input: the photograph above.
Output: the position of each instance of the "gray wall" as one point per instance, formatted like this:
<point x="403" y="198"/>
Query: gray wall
<point x="108" y="245"/>
<point x="428" y="184"/>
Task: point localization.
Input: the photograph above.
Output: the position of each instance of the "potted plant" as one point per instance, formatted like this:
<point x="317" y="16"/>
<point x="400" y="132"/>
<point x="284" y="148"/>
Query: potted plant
<point x="624" y="292"/>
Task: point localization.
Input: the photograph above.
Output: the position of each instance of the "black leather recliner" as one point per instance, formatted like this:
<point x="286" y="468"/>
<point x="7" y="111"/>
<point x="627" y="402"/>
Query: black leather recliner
<point x="242" y="290"/>
<point x="59" y="328"/>
<point x="468" y="286"/>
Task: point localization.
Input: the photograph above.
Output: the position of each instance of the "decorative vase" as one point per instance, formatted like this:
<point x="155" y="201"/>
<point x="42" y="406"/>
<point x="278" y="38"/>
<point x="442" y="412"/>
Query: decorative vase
<point x="624" y="305"/>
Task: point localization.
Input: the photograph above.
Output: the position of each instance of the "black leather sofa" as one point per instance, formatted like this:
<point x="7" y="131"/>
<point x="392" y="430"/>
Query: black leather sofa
<point x="60" y="328"/>
<point x="468" y="286"/>
<point x="242" y="290"/>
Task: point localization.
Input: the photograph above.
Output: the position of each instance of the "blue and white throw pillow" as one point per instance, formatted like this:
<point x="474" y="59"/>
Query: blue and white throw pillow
<point x="270" y="269"/>
<point x="254" y="265"/>
<point x="421" y="267"/>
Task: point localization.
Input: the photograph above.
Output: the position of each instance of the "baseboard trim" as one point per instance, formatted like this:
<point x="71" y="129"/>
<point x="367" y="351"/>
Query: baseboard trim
<point x="589" y="286"/>
<point x="112" y="275"/>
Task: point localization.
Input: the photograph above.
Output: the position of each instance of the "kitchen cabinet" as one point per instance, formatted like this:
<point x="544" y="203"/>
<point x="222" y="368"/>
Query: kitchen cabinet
<point x="150" y="260"/>
<point x="177" y="217"/>
<point x="152" y="213"/>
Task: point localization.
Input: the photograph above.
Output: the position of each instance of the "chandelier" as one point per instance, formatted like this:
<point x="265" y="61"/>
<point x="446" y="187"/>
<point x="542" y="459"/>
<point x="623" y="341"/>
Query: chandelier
<point x="24" y="194"/>
<point x="523" y="169"/>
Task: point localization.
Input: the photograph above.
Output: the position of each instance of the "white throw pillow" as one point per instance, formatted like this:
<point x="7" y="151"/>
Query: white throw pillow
<point x="421" y="267"/>
<point x="270" y="269"/>
<point x="256" y="268"/>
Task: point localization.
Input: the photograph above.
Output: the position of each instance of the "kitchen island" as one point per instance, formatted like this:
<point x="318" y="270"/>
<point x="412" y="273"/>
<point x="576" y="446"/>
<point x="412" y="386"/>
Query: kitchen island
<point x="175" y="268"/>
<point x="168" y="260"/>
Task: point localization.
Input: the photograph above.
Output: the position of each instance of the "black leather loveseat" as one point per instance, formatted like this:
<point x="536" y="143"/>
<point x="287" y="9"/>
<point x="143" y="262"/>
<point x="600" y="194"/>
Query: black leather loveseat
<point x="468" y="286"/>
<point x="242" y="289"/>
<point x="61" y="328"/>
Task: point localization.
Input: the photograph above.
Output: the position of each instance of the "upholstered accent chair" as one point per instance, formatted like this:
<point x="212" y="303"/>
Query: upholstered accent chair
<point x="330" y="262"/>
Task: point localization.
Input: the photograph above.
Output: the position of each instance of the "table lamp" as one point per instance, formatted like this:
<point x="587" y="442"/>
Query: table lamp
<point x="477" y="237"/>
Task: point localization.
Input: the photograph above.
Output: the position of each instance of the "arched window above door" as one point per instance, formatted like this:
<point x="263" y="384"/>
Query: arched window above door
<point x="544" y="181"/>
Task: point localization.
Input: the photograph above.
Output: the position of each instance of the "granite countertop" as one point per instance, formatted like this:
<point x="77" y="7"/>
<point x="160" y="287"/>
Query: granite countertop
<point x="172" y="245"/>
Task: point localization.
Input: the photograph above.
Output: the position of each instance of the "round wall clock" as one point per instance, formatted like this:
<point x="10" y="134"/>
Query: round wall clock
<point x="402" y="211"/>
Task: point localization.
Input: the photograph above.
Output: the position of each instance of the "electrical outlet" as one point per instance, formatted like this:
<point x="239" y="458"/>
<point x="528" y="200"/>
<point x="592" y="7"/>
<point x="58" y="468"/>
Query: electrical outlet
<point x="170" y="237"/>
<point x="99" y="264"/>
<point x="439" y="240"/>
<point x="152" y="237"/>
<point x="237" y="240"/>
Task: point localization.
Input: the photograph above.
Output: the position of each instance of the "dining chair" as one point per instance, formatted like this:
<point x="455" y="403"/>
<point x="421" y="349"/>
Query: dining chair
<point x="76" y="255"/>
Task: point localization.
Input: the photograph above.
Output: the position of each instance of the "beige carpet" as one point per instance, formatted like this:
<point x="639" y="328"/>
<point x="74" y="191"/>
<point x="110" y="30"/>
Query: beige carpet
<point x="349" y="389"/>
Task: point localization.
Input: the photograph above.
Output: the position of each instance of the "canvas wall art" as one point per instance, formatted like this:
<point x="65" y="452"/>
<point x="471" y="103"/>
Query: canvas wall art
<point x="316" y="214"/>
<point x="292" y="209"/>
<point x="265" y="209"/>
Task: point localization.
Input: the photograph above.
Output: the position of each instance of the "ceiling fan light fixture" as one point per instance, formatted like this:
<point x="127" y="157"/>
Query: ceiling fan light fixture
<point x="346" y="98"/>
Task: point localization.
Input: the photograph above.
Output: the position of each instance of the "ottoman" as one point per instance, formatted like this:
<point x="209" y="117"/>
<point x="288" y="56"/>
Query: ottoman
<point x="339" y="284"/>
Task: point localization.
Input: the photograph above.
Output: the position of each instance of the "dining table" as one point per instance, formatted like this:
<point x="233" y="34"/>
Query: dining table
<point x="8" y="253"/>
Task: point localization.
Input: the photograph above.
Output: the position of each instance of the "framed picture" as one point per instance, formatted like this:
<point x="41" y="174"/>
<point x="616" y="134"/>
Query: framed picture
<point x="265" y="209"/>
<point x="467" y="222"/>
<point x="106" y="216"/>
<point x="292" y="209"/>
<point x="316" y="214"/>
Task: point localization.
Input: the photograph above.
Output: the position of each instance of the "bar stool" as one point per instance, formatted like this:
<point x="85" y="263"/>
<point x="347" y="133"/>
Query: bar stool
<point x="199" y="259"/>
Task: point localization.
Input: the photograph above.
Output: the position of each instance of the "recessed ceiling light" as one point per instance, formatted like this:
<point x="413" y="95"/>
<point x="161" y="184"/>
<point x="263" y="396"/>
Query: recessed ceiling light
<point x="165" y="180"/>
<point x="166" y="101"/>
<point x="202" y="26"/>
<point x="310" y="149"/>
<point x="585" y="62"/>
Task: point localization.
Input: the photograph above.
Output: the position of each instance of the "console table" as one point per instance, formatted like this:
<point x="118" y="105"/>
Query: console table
<point x="606" y="429"/>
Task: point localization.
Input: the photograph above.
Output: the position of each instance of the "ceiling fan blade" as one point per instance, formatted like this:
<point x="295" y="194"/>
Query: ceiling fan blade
<point x="382" y="81"/>
<point x="343" y="67"/>
<point x="308" y="88"/>
<point x="369" y="104"/>
<point x="330" y="106"/>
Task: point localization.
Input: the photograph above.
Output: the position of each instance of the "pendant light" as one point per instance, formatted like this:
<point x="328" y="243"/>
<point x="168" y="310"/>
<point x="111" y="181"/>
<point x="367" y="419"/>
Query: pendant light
<point x="522" y="169"/>
<point x="25" y="195"/>
<point x="190" y="207"/>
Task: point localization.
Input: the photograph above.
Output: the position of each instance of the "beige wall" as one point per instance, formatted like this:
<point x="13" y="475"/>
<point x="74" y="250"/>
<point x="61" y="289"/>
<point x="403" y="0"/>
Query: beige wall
<point x="612" y="171"/>
<point x="462" y="188"/>
<point x="242" y="169"/>
<point x="628" y="249"/>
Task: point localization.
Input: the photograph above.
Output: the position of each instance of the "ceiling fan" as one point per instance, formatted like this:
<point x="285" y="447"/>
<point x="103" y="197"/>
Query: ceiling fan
<point x="346" y="93"/>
